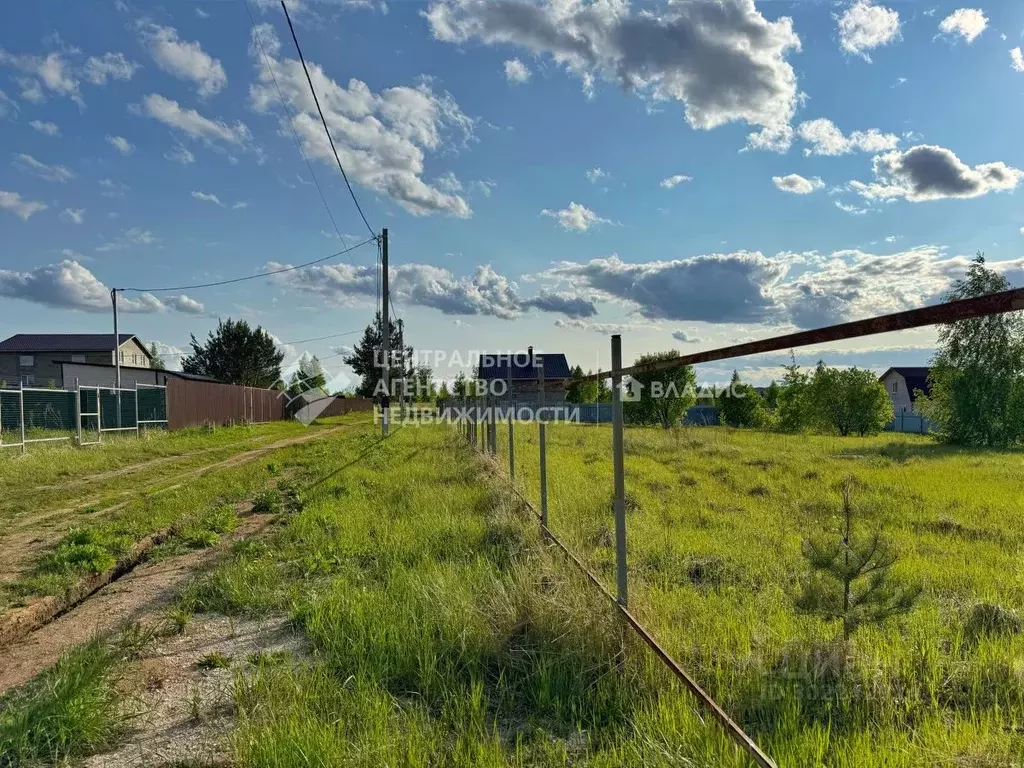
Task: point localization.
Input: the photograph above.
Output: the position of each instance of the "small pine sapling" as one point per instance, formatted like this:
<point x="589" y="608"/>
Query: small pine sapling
<point x="851" y="578"/>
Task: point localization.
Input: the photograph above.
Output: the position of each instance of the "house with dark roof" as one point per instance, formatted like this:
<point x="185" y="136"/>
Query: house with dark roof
<point x="34" y="359"/>
<point x="902" y="385"/>
<point x="522" y="370"/>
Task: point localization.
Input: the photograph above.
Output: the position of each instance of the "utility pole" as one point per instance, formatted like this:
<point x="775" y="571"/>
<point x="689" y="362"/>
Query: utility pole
<point x="401" y="356"/>
<point x="385" y="333"/>
<point x="117" y="355"/>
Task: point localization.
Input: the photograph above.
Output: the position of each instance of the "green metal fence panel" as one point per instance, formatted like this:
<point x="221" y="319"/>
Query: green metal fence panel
<point x="117" y="409"/>
<point x="49" y="414"/>
<point x="10" y="417"/>
<point x="152" y="405"/>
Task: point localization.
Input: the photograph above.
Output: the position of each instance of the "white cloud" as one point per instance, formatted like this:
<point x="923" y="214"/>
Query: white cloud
<point x="29" y="164"/>
<point x="576" y="217"/>
<point x="448" y="182"/>
<point x="485" y="292"/>
<point x="797" y="184"/>
<point x="605" y="329"/>
<point x="516" y="72"/>
<point x="121" y="144"/>
<point x="928" y="172"/>
<point x="180" y="154"/>
<point x="8" y="107"/>
<point x="825" y="138"/>
<point x="73" y="215"/>
<point x="720" y="58"/>
<point x="127" y="239"/>
<point x="382" y="138"/>
<point x="184" y="60"/>
<point x="50" y="129"/>
<point x="11" y="201"/>
<point x="594" y="175"/>
<point x="966" y="22"/>
<point x="685" y="338"/>
<point x="855" y="210"/>
<point x="113" y="188"/>
<point x="864" y="26"/>
<point x="51" y="73"/>
<point x="113" y="66"/>
<point x="239" y="205"/>
<point x="69" y="285"/>
<point x="1017" y="58"/>
<point x="673" y="181"/>
<point x="207" y="198"/>
<point x="483" y="187"/>
<point x="192" y="124"/>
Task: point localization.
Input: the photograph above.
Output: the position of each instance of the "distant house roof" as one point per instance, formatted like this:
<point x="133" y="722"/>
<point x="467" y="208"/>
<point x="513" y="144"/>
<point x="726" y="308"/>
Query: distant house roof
<point x="65" y="342"/>
<point x="524" y="365"/>
<point x="916" y="378"/>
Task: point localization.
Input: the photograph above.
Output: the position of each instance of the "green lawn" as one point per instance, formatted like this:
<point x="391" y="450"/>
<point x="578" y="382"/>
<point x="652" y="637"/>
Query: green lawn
<point x="714" y="532"/>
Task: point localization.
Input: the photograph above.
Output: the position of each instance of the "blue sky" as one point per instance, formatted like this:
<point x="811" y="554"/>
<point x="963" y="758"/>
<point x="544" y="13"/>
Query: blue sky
<point x="687" y="174"/>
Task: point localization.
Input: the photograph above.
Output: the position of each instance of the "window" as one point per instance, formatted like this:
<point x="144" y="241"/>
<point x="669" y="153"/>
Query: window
<point x="28" y="379"/>
<point x="122" y="354"/>
<point x="895" y="387"/>
<point x="78" y="358"/>
<point x="26" y="361"/>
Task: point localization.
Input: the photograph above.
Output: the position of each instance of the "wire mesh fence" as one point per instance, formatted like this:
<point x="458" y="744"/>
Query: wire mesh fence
<point x="81" y="415"/>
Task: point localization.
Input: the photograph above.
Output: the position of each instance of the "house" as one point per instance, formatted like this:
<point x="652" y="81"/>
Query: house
<point x="34" y="359"/>
<point x="902" y="385"/>
<point x="523" y="369"/>
<point x="105" y="375"/>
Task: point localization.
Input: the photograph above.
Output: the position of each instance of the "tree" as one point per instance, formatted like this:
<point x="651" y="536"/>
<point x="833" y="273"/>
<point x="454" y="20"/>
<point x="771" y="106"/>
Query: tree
<point x="665" y="395"/>
<point x="367" y="358"/>
<point x="977" y="374"/>
<point x="850" y="578"/>
<point x="442" y="393"/>
<point x="425" y="388"/>
<point x="309" y="376"/>
<point x="579" y="389"/>
<point x="794" y="411"/>
<point x="771" y="395"/>
<point x="740" y="405"/>
<point x="460" y="387"/>
<point x="848" y="401"/>
<point x="156" y="360"/>
<point x="236" y="354"/>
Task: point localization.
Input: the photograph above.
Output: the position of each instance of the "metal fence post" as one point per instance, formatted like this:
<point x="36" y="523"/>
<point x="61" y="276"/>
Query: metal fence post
<point x="78" y="411"/>
<point x="543" y="445"/>
<point x="21" y="399"/>
<point x="137" y="431"/>
<point x="510" y="399"/>
<point x="619" y="503"/>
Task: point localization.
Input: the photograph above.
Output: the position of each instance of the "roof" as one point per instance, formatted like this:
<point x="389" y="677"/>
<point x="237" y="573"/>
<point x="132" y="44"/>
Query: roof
<point x="916" y="378"/>
<point x="157" y="371"/>
<point x="524" y="365"/>
<point x="65" y="342"/>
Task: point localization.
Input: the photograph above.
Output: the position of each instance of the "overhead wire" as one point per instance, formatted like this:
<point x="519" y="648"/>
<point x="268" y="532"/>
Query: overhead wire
<point x="323" y="120"/>
<point x="251" y="277"/>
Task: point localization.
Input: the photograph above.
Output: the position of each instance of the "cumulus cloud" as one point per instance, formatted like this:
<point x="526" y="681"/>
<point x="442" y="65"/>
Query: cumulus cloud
<point x="748" y="287"/>
<point x="929" y="172"/>
<point x="825" y="138"/>
<point x="605" y="329"/>
<point x="594" y="175"/>
<point x="576" y="217"/>
<point x="207" y="198"/>
<point x="966" y="22"/>
<point x="732" y="287"/>
<point x="29" y="164"/>
<point x="852" y="209"/>
<point x="797" y="184"/>
<point x="382" y="138"/>
<point x="69" y="285"/>
<point x="184" y="60"/>
<point x="50" y="129"/>
<point x="685" y="338"/>
<point x="73" y="215"/>
<point x="23" y="209"/>
<point x="1017" y="59"/>
<point x="864" y="26"/>
<point x="191" y="124"/>
<point x="485" y="292"/>
<point x="180" y="154"/>
<point x="109" y="66"/>
<point x="674" y="181"/>
<point x="721" y="59"/>
<point x="516" y="72"/>
<point x="121" y="144"/>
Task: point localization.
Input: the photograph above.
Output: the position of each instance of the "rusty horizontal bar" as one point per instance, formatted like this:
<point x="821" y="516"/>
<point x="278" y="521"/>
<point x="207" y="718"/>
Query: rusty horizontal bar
<point x="731" y="728"/>
<point x="964" y="309"/>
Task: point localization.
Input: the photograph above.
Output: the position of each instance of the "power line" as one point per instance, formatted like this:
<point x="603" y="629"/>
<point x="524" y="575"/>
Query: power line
<point x="295" y="135"/>
<point x="323" y="120"/>
<point x="251" y="277"/>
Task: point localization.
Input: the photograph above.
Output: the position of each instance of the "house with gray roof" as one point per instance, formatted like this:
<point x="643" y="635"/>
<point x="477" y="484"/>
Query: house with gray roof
<point x="34" y="359"/>
<point x="522" y="371"/>
<point x="902" y="384"/>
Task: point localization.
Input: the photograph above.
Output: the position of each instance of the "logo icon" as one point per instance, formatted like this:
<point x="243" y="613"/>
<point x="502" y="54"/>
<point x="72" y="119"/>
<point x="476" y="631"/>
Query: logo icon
<point x="307" y="398"/>
<point x="630" y="390"/>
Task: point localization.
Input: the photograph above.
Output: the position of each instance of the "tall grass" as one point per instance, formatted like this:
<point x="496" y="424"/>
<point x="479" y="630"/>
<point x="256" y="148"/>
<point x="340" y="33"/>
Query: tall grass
<point x="715" y="522"/>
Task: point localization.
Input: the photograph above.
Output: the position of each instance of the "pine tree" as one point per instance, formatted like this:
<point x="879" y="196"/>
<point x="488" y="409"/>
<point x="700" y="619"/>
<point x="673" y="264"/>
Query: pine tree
<point x="156" y="360"/>
<point x="851" y="578"/>
<point x="236" y="354"/>
<point x="367" y="358"/>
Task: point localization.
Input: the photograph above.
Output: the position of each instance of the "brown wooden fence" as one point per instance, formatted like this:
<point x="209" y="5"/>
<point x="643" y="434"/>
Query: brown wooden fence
<point x="199" y="403"/>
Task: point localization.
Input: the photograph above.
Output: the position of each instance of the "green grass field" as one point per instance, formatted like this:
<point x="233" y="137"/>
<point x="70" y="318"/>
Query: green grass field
<point x="715" y="523"/>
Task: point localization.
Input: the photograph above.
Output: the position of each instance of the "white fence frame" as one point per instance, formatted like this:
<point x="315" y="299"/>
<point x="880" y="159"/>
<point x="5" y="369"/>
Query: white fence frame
<point x="79" y="415"/>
